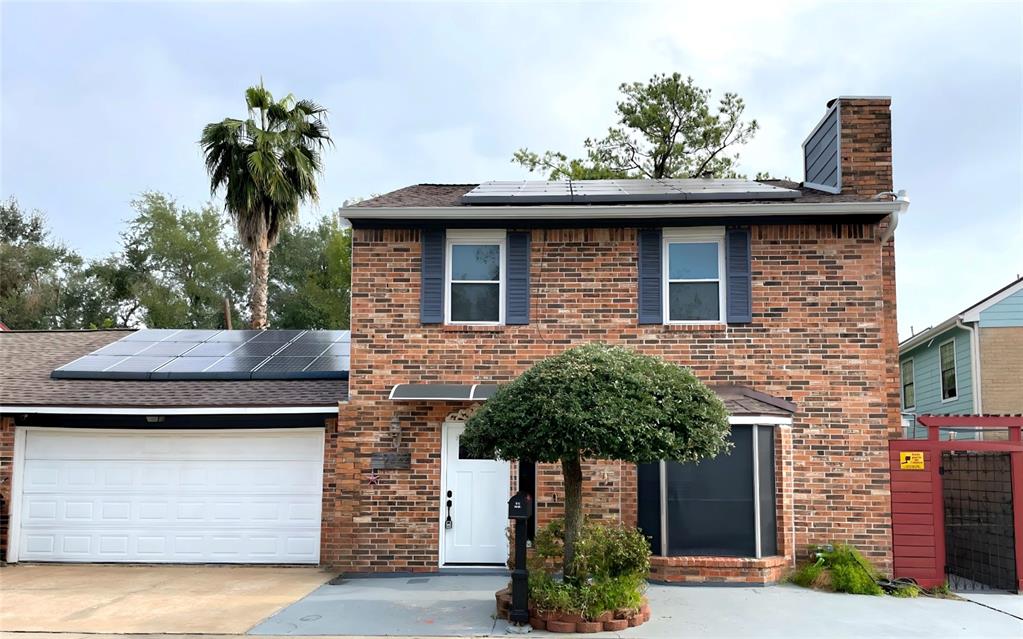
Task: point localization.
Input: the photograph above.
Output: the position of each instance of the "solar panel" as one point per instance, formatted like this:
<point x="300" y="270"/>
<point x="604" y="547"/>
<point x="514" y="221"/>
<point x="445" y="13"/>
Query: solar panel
<point x="169" y="354"/>
<point x="625" y="191"/>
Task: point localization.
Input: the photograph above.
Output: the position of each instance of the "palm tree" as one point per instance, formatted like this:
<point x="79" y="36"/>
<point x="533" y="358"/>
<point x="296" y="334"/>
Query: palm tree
<point x="268" y="165"/>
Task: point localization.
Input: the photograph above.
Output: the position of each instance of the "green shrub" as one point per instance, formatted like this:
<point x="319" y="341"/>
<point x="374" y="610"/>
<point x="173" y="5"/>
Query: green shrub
<point x="851" y="578"/>
<point x="808" y="574"/>
<point x="604" y="552"/>
<point x="612" y="564"/>
<point x="907" y="591"/>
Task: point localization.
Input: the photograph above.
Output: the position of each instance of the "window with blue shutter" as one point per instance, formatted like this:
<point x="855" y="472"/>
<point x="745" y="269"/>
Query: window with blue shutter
<point x="517" y="288"/>
<point x="650" y="276"/>
<point x="431" y="291"/>
<point x="739" y="279"/>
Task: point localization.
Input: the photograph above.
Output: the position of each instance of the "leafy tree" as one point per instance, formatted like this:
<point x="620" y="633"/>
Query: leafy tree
<point x="177" y="266"/>
<point x="310" y="276"/>
<point x="267" y="165"/>
<point x="666" y="129"/>
<point x="599" y="402"/>
<point x="39" y="277"/>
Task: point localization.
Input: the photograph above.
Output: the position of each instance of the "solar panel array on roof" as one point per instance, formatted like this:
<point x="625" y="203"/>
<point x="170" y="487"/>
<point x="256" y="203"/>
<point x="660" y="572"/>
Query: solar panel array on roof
<point x="167" y="354"/>
<point x="625" y="191"/>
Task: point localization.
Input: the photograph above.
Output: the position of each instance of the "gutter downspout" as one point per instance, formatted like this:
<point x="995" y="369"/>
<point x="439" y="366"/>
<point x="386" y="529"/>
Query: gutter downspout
<point x="903" y="203"/>
<point x="978" y="402"/>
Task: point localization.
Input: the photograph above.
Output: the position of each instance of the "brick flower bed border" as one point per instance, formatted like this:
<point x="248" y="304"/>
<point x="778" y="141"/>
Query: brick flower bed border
<point x="611" y="621"/>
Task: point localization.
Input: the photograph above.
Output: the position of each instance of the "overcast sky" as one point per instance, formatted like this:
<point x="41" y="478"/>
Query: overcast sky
<point x="104" y="101"/>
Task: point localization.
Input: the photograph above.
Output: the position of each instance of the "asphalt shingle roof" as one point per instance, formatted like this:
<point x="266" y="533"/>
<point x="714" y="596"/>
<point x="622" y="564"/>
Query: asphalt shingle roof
<point x="28" y="358"/>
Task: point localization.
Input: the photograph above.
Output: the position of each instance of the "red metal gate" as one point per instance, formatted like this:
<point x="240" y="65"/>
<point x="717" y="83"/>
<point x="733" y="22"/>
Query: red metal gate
<point x="918" y="499"/>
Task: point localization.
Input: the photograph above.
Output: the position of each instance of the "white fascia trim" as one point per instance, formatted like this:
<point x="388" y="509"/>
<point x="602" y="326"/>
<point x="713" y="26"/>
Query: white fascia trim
<point x="589" y="211"/>
<point x="930" y="334"/>
<point x="972" y="314"/>
<point x="754" y="420"/>
<point x="117" y="410"/>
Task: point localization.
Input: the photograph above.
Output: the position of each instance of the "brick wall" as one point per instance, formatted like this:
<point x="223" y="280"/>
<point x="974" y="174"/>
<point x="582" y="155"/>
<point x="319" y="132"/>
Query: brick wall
<point x="821" y="335"/>
<point x="866" y="145"/>
<point x="6" y="480"/>
<point x="1001" y="369"/>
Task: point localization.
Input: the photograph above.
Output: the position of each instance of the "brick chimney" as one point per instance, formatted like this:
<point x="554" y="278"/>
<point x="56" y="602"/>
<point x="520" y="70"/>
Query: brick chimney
<point x="850" y="149"/>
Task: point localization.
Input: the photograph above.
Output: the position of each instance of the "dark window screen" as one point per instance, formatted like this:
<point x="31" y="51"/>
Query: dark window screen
<point x="711" y="506"/>
<point x="768" y="497"/>
<point x="710" y="503"/>
<point x="649" y="511"/>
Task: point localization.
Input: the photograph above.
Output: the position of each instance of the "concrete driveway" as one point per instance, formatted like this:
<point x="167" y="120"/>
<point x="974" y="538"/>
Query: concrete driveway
<point x="148" y="599"/>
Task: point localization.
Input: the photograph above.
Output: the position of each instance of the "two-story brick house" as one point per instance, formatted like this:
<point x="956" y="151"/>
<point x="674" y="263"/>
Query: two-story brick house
<point x="780" y="295"/>
<point x="209" y="446"/>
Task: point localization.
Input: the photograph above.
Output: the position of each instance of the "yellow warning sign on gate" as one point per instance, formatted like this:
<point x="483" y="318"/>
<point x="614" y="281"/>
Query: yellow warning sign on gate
<point x="911" y="460"/>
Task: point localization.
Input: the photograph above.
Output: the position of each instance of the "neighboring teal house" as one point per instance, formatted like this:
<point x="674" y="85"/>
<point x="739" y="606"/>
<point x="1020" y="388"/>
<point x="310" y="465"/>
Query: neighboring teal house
<point x="972" y="363"/>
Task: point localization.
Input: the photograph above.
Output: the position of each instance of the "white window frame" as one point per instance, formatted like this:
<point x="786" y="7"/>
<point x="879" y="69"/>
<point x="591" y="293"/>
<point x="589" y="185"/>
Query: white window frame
<point x="476" y="236"/>
<point x="955" y="371"/>
<point x="697" y="235"/>
<point x="902" y="383"/>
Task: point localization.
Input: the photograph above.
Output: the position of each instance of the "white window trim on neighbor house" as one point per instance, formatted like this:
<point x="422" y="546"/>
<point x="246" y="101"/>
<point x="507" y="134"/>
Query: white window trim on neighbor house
<point x="476" y="236"/>
<point x="696" y="235"/>
<point x="902" y="383"/>
<point x="955" y="371"/>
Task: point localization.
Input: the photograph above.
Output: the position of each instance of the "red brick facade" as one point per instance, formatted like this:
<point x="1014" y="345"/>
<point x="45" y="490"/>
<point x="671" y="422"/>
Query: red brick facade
<point x="822" y="334"/>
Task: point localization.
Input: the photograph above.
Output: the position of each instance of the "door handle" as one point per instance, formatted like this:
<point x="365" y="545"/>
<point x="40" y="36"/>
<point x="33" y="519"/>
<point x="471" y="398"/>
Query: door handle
<point x="448" y="524"/>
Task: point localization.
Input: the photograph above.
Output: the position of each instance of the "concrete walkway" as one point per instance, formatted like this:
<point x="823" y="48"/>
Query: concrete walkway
<point x="463" y="606"/>
<point x="147" y="599"/>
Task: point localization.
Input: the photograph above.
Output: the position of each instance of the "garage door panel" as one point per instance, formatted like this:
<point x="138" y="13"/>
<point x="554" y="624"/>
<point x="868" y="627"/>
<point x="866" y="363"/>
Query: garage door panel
<point x="171" y="510"/>
<point x="128" y="445"/>
<point x="79" y="505"/>
<point x="224" y="546"/>
<point x="197" y="476"/>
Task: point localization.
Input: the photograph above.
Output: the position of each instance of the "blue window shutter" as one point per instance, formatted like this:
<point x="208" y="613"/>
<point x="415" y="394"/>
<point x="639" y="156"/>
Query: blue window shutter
<point x="650" y="294"/>
<point x="431" y="290"/>
<point x="739" y="291"/>
<point x="516" y="289"/>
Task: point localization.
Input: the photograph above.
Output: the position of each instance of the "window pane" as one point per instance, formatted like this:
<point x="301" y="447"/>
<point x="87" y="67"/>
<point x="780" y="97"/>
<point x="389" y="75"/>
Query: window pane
<point x="692" y="261"/>
<point x="908" y="396"/>
<point x="475" y="302"/>
<point x="948" y="384"/>
<point x="475" y="262"/>
<point x="693" y="301"/>
<point x="948" y="370"/>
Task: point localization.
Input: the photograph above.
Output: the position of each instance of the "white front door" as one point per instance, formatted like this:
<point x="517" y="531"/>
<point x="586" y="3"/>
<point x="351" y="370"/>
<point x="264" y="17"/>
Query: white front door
<point x="176" y="496"/>
<point x="473" y="525"/>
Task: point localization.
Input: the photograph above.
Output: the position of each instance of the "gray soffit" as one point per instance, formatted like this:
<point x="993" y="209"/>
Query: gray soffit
<point x="624" y="191"/>
<point x="168" y="355"/>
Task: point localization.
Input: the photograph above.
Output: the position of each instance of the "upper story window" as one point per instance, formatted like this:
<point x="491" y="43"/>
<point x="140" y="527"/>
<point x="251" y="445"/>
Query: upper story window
<point x="908" y="384"/>
<point x="694" y="283"/>
<point x="475" y="277"/>
<point x="947" y="355"/>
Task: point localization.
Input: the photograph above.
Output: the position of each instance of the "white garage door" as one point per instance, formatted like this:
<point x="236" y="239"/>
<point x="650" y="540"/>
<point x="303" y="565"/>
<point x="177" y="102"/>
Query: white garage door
<point x="171" y="496"/>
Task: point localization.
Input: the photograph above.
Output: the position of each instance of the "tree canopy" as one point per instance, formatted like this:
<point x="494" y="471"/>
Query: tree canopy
<point x="174" y="268"/>
<point x="599" y="402"/>
<point x="667" y="128"/>
<point x="267" y="166"/>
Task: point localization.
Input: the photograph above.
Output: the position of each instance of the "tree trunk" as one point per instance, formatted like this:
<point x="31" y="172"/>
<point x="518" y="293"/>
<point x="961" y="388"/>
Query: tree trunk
<point x="260" y="283"/>
<point x="572" y="474"/>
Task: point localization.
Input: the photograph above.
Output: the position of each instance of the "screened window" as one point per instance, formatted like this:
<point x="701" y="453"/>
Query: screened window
<point x="724" y="506"/>
<point x="475" y="278"/>
<point x="908" y="385"/>
<point x="694" y="289"/>
<point x="947" y="353"/>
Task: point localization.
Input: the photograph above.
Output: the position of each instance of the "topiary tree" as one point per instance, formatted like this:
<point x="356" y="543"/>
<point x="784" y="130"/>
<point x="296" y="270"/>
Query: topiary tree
<point x="599" y="402"/>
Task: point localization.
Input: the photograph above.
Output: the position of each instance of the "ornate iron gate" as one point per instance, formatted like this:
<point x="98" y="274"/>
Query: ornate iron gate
<point x="979" y="531"/>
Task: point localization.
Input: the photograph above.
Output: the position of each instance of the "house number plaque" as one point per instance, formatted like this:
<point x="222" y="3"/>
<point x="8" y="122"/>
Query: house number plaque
<point x="391" y="461"/>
